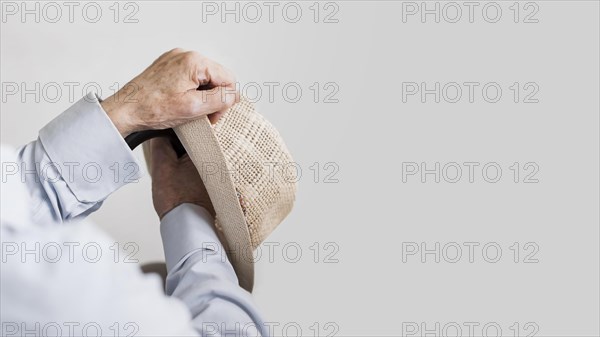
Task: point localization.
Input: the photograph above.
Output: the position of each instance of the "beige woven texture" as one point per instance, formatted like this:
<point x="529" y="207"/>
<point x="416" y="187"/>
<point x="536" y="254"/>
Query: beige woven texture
<point x="249" y="175"/>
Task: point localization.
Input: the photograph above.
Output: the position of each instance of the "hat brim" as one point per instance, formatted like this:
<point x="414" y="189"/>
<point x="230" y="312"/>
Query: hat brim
<point x="204" y="150"/>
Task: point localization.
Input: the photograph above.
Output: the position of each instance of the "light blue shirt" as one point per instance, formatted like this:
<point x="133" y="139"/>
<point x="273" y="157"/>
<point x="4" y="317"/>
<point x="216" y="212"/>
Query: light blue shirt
<point x="61" y="275"/>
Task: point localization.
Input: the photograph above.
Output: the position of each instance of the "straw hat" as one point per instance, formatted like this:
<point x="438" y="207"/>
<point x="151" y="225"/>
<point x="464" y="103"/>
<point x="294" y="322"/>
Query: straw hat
<point x="249" y="175"/>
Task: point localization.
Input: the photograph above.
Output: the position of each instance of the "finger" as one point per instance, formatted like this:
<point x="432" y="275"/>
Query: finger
<point x="204" y="70"/>
<point x="218" y="75"/>
<point x="207" y="102"/>
<point x="209" y="72"/>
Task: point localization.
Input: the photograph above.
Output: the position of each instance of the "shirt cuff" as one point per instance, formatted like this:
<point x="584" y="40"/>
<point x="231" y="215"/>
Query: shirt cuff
<point x="185" y="229"/>
<point x="89" y="152"/>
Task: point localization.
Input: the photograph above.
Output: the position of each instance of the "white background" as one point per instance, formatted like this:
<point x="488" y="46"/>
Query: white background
<point x="369" y="215"/>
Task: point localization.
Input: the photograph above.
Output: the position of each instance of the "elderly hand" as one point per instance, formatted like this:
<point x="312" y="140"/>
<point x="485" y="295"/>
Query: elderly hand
<point x="174" y="180"/>
<point x="165" y="94"/>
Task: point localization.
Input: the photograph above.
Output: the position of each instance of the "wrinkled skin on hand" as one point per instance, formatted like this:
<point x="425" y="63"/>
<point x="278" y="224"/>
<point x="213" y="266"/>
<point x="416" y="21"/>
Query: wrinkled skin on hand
<point x="165" y="94"/>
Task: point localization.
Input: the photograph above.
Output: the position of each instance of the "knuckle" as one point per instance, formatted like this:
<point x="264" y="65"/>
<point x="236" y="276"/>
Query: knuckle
<point x="176" y="50"/>
<point x="187" y="57"/>
<point x="192" y="56"/>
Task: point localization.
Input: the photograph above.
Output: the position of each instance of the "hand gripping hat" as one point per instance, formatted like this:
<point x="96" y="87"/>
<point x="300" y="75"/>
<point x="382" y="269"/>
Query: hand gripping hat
<point x="249" y="175"/>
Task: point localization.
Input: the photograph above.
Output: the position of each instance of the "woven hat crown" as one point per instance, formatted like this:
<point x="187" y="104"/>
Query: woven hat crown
<point x="249" y="175"/>
<point x="262" y="168"/>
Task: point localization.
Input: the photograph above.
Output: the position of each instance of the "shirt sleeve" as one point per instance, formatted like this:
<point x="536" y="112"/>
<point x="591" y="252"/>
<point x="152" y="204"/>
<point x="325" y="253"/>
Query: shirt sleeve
<point x="78" y="160"/>
<point x="199" y="273"/>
